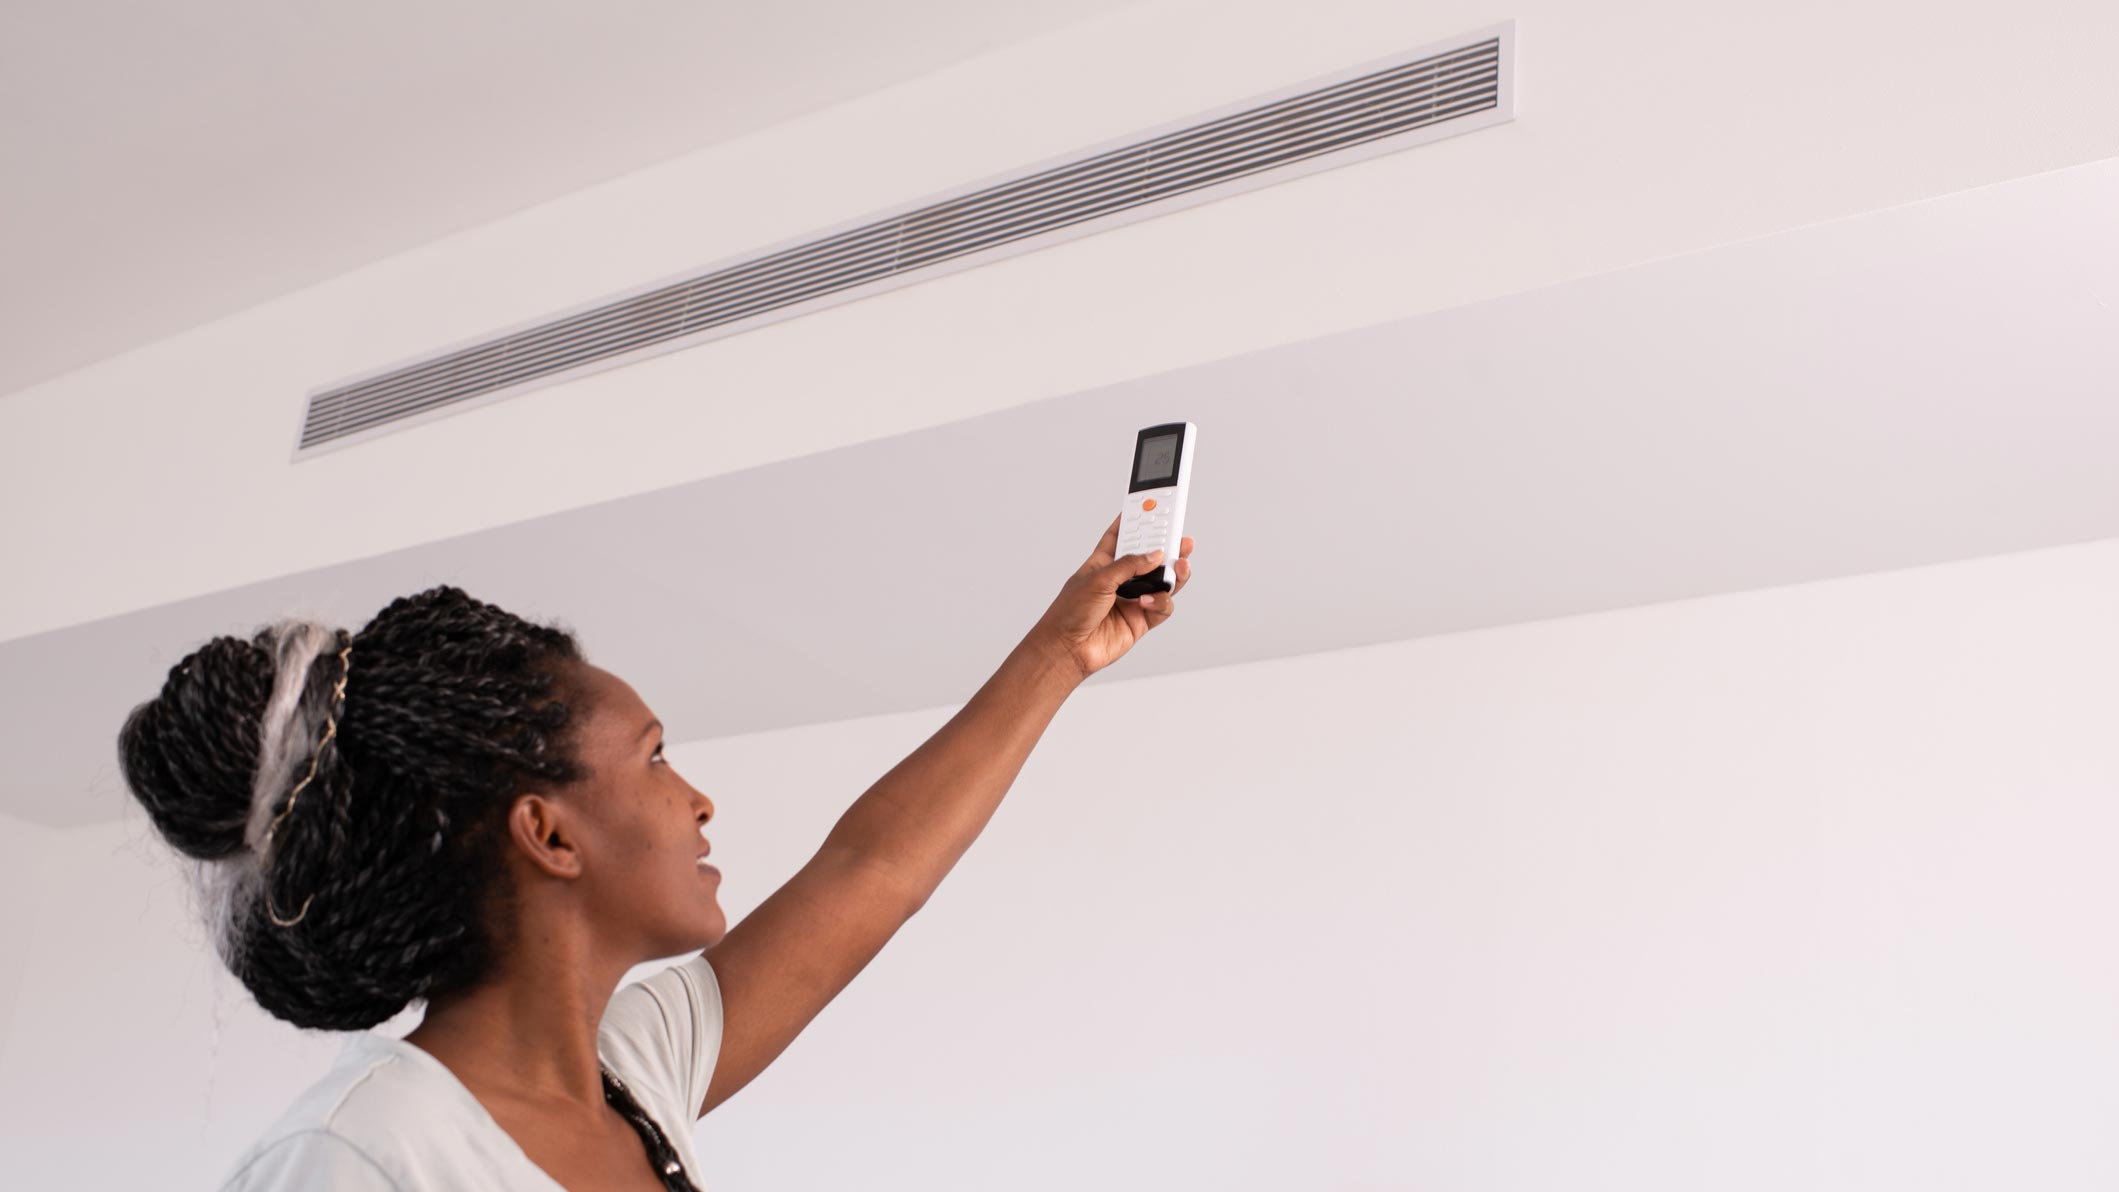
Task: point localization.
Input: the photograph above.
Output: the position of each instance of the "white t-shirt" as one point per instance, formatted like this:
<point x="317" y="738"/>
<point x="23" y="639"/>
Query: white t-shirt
<point x="389" y="1117"/>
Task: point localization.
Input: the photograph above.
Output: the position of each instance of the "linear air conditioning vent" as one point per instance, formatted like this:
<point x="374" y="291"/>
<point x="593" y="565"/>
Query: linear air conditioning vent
<point x="1382" y="107"/>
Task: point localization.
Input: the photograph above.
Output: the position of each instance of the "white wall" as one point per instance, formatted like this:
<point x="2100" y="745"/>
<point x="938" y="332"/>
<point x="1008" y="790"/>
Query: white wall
<point x="26" y="850"/>
<point x="1646" y="128"/>
<point x="1807" y="887"/>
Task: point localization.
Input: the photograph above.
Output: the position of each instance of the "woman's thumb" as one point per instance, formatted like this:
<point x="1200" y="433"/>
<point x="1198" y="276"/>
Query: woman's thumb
<point x="1123" y="568"/>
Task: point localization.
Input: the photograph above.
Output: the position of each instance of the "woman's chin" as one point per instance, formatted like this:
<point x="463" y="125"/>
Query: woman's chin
<point x="717" y="927"/>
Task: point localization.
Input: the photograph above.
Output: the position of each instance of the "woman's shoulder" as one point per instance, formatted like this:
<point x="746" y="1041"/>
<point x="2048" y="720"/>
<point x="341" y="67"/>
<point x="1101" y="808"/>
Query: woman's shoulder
<point x="288" y="1161"/>
<point x="385" y="1116"/>
<point x="662" y="1035"/>
<point x="303" y="1147"/>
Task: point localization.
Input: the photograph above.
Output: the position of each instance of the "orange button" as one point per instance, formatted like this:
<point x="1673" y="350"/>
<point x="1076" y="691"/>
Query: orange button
<point x="1147" y="504"/>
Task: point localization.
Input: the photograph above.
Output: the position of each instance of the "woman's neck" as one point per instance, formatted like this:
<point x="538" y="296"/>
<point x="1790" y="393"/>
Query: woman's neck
<point x="530" y="1033"/>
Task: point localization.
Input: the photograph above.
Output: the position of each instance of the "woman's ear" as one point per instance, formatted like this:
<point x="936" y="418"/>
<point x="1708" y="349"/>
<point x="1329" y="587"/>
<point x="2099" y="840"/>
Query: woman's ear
<point x="544" y="831"/>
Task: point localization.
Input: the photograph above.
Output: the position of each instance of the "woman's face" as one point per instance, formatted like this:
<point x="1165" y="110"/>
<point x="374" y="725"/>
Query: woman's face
<point x="639" y="828"/>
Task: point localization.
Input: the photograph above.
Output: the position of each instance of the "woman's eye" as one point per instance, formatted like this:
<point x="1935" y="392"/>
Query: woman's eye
<point x="657" y="754"/>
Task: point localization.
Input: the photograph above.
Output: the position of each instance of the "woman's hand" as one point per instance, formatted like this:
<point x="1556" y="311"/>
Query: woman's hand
<point x="1089" y="625"/>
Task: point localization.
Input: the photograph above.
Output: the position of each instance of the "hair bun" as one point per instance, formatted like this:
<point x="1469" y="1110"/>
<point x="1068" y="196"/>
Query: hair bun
<point x="191" y="753"/>
<point x="388" y="882"/>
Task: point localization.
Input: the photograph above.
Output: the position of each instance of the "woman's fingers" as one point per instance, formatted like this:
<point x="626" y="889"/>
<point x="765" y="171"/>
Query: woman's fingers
<point x="1106" y="547"/>
<point x="1160" y="603"/>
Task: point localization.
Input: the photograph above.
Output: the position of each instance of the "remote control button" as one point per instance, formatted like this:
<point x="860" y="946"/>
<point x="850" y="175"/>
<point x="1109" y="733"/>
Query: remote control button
<point x="1148" y="504"/>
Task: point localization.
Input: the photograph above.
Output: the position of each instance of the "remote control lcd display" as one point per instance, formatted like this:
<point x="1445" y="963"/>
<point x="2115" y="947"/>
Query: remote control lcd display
<point x="1158" y="460"/>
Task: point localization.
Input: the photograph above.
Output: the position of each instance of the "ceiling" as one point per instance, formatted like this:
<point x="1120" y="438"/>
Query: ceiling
<point x="171" y="164"/>
<point x="1912" y="386"/>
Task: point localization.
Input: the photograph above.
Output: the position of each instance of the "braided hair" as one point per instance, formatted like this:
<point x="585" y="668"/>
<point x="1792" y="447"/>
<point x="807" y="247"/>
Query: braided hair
<point x="370" y="792"/>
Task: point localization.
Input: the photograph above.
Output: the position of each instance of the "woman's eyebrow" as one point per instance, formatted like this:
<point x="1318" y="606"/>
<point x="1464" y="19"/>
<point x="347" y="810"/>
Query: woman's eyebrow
<point x="652" y="725"/>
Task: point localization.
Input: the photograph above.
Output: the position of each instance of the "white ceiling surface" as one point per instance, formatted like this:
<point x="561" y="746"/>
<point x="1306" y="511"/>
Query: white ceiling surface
<point x="169" y="164"/>
<point x="1906" y="387"/>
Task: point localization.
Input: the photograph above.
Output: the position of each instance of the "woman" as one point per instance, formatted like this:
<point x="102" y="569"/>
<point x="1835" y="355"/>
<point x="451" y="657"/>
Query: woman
<point x="452" y="806"/>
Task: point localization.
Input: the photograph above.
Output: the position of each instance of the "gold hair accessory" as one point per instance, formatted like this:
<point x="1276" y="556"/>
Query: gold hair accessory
<point x="338" y="698"/>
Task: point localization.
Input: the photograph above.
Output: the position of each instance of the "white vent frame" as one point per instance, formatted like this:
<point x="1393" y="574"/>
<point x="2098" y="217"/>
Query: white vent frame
<point x="382" y="421"/>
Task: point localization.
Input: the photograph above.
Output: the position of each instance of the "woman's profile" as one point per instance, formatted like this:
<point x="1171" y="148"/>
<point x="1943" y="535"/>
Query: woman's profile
<point x="452" y="807"/>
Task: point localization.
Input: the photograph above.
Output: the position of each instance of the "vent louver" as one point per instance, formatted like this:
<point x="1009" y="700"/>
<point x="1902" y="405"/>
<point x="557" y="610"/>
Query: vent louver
<point x="1378" y="108"/>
